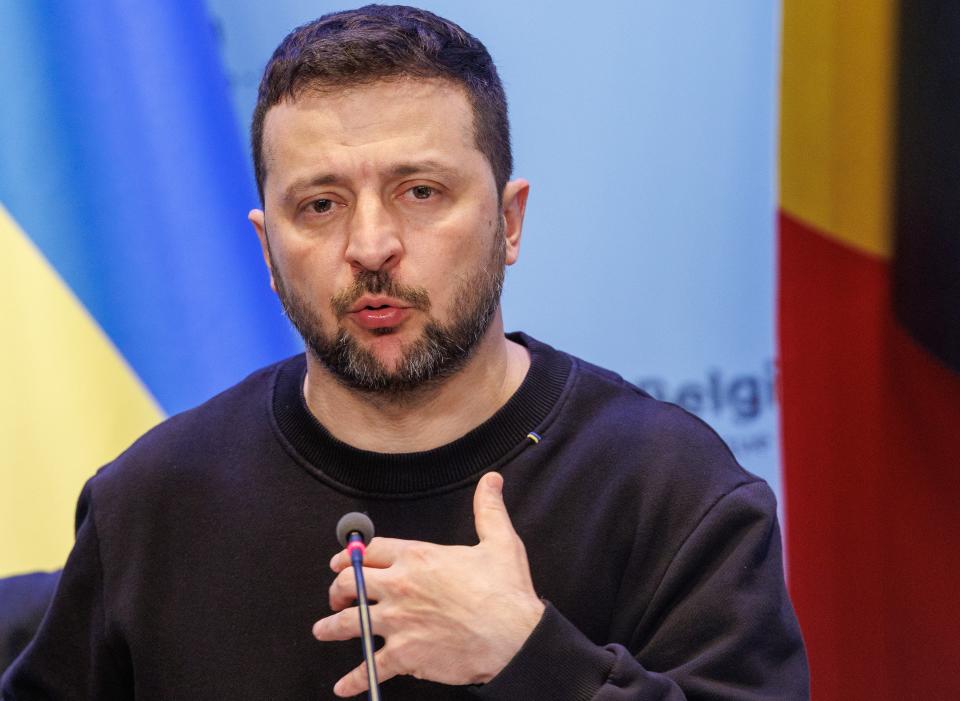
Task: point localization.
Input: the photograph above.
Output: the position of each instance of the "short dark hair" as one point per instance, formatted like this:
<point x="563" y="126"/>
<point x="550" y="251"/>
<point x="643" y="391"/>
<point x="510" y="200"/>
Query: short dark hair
<point x="382" y="42"/>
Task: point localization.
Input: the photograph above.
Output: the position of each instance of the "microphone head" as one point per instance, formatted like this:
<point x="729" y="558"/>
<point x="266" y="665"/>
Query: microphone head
<point x="354" y="522"/>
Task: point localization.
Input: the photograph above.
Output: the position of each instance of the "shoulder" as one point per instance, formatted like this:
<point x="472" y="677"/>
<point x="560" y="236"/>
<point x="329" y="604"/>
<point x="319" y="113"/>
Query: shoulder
<point x="618" y="407"/>
<point x="649" y="449"/>
<point x="188" y="444"/>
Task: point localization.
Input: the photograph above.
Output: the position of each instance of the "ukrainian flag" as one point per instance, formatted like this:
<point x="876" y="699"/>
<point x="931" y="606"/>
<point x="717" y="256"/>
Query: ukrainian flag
<point x="132" y="286"/>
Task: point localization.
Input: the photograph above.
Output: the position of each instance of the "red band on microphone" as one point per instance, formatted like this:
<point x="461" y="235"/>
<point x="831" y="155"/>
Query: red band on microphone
<point x="356" y="545"/>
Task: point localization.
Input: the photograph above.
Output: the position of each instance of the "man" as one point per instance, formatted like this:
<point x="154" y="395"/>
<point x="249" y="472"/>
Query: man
<point x="622" y="554"/>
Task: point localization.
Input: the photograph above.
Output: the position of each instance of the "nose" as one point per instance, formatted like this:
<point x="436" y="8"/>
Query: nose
<point x="374" y="238"/>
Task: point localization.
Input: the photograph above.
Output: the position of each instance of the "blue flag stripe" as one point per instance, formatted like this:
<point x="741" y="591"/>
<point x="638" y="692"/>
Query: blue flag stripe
<point x="120" y="157"/>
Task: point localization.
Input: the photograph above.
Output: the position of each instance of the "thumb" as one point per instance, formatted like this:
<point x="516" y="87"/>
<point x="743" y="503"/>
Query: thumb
<point x="489" y="512"/>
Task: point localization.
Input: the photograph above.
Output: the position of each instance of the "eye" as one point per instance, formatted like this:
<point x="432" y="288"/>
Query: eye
<point x="422" y="192"/>
<point x="321" y="206"/>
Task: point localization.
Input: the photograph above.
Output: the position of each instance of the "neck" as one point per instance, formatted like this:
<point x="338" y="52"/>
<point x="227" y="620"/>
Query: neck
<point x="422" y="420"/>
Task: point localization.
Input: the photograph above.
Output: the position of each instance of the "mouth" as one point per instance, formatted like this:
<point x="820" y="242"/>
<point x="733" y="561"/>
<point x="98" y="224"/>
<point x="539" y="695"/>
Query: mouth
<point x="371" y="303"/>
<point x="378" y="312"/>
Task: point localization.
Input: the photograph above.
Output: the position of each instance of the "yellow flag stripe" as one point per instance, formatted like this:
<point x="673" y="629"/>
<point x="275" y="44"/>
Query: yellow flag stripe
<point x="69" y="404"/>
<point x="837" y="103"/>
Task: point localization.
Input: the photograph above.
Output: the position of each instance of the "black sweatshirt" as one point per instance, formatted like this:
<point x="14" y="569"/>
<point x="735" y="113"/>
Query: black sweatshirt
<point x="201" y="559"/>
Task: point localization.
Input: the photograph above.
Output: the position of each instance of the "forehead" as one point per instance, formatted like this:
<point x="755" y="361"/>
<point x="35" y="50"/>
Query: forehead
<point x="368" y="124"/>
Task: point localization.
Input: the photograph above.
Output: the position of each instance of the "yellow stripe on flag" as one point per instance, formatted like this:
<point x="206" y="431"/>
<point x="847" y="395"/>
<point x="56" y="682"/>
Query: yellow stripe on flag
<point x="69" y="404"/>
<point x="836" y="140"/>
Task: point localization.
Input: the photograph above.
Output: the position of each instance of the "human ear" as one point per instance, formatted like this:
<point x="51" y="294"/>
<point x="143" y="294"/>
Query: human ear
<point x="258" y="219"/>
<point x="514" y="201"/>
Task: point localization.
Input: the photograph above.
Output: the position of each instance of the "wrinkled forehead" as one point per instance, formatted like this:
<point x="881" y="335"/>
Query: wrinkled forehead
<point x="413" y="113"/>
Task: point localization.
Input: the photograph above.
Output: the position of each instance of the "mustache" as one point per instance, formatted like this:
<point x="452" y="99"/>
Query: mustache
<point x="378" y="282"/>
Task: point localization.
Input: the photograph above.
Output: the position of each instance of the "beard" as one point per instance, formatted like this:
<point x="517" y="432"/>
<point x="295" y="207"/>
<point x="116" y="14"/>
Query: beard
<point x="439" y="352"/>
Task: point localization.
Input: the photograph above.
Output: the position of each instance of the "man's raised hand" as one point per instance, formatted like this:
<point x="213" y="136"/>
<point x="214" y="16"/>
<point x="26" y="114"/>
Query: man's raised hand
<point x="449" y="614"/>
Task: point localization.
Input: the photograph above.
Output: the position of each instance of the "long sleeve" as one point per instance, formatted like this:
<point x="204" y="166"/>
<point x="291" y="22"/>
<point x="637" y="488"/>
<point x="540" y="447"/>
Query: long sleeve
<point x="71" y="656"/>
<point x="720" y="626"/>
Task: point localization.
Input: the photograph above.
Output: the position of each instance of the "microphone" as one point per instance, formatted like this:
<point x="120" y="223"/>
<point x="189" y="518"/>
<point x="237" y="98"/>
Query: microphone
<point x="354" y="522"/>
<point x="354" y="531"/>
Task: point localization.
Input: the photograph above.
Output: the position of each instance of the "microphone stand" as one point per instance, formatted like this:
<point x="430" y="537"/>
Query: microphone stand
<point x="356" y="548"/>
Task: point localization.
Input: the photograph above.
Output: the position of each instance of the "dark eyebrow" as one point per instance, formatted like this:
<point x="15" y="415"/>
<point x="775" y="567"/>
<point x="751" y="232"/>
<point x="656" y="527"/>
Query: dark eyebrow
<point x="306" y="183"/>
<point x="400" y="170"/>
<point x="404" y="169"/>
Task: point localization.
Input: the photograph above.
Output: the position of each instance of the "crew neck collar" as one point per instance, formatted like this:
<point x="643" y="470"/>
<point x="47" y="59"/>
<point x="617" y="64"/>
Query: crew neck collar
<point x="406" y="474"/>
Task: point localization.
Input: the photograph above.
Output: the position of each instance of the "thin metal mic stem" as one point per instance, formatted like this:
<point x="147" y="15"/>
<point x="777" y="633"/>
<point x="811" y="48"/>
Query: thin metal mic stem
<point x="366" y="630"/>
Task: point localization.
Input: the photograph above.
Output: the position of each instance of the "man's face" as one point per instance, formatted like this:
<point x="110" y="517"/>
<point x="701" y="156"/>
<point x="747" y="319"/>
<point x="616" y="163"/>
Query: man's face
<point x="382" y="230"/>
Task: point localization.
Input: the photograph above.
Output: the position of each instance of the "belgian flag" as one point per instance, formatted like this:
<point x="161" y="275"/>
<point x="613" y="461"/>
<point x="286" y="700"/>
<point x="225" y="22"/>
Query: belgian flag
<point x="869" y="331"/>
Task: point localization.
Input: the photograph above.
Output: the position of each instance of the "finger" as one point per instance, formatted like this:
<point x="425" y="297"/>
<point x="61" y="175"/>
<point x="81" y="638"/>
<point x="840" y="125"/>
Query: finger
<point x="489" y="512"/>
<point x="345" y="625"/>
<point x="355" y="681"/>
<point x="381" y="552"/>
<point x="343" y="590"/>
